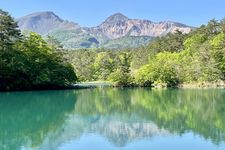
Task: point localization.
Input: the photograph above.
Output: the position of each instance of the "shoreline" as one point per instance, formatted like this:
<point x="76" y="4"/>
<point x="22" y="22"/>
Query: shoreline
<point x="217" y="84"/>
<point x="97" y="84"/>
<point x="201" y="86"/>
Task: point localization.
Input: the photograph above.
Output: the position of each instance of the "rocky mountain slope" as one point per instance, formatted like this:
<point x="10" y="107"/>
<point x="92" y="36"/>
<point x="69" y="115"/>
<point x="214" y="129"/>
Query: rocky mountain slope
<point x="118" y="25"/>
<point x="134" y="32"/>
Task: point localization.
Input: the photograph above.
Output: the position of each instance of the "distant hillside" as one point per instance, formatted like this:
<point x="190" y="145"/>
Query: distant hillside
<point x="117" y="31"/>
<point x="127" y="42"/>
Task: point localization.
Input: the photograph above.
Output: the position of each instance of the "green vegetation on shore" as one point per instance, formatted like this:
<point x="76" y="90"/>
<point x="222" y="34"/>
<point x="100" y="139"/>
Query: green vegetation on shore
<point x="173" y="60"/>
<point x="28" y="62"/>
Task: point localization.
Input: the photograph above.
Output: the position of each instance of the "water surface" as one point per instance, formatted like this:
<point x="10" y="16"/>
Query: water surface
<point x="110" y="118"/>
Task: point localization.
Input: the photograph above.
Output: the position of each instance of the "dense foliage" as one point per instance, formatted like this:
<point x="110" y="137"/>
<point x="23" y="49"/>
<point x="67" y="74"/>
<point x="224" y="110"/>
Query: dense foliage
<point x="197" y="57"/>
<point x="200" y="58"/>
<point x="28" y="62"/>
<point x="102" y="65"/>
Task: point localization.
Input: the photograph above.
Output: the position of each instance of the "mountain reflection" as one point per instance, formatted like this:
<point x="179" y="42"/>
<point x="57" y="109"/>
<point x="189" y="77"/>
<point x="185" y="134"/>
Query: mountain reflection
<point x="45" y="120"/>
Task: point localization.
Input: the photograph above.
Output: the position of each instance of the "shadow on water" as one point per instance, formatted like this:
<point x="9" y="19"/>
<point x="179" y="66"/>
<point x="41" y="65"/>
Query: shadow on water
<point x="122" y="116"/>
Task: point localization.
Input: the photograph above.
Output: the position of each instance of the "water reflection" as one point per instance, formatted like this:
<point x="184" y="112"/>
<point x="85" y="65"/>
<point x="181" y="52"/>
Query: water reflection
<point x="47" y="120"/>
<point x="26" y="118"/>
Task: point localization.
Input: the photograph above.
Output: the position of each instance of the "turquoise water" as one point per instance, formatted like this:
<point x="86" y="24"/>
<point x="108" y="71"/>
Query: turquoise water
<point x="111" y="118"/>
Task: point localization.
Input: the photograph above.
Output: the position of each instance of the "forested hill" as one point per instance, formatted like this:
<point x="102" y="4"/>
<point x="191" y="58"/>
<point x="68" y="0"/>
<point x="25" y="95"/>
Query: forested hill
<point x="196" y="58"/>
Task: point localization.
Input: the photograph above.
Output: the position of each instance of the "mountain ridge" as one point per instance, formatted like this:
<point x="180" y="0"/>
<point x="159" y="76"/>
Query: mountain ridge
<point x="116" y="26"/>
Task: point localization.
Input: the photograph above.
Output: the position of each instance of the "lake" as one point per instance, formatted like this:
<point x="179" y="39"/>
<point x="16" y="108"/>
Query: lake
<point x="113" y="118"/>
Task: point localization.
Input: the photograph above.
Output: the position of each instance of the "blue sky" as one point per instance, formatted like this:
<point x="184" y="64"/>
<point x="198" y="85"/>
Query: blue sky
<point x="93" y="12"/>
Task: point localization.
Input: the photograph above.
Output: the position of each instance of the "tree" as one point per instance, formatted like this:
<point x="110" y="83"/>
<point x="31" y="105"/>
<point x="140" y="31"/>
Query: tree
<point x="9" y="32"/>
<point x="164" y="68"/>
<point x="222" y="25"/>
<point x="83" y="62"/>
<point x="212" y="28"/>
<point x="46" y="67"/>
<point x="218" y="52"/>
<point x="103" y="65"/>
<point x="9" y="35"/>
<point x="121" y="75"/>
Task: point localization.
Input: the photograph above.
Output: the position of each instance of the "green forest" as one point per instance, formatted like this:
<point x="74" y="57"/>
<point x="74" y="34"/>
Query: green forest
<point x="29" y="61"/>
<point x="172" y="60"/>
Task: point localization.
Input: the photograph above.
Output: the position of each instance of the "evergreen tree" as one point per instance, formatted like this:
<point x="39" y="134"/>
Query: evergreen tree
<point x="9" y="32"/>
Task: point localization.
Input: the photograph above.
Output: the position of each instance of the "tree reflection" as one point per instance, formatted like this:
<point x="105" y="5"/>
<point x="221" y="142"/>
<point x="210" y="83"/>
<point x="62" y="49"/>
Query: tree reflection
<point x="178" y="111"/>
<point x="26" y="118"/>
<point x="46" y="119"/>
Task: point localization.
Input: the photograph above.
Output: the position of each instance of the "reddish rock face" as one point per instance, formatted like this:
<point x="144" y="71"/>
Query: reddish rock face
<point x="118" y="25"/>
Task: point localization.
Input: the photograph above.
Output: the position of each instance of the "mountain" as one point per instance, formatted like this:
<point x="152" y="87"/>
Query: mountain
<point x="117" y="31"/>
<point x="44" y="22"/>
<point x="118" y="25"/>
